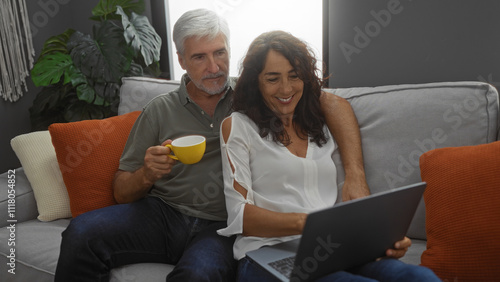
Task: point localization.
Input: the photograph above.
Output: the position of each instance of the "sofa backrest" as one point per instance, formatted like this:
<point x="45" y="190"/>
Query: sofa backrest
<point x="136" y="92"/>
<point x="398" y="123"/>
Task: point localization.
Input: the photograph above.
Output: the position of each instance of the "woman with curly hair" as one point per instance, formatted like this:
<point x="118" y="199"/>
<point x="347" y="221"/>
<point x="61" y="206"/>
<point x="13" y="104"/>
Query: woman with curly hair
<point x="277" y="158"/>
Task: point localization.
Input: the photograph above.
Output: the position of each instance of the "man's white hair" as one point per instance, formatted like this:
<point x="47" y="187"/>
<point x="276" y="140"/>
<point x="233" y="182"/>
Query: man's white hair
<point x="199" y="23"/>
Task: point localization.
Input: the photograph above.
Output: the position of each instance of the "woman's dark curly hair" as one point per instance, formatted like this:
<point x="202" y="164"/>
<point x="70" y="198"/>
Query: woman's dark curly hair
<point x="248" y="99"/>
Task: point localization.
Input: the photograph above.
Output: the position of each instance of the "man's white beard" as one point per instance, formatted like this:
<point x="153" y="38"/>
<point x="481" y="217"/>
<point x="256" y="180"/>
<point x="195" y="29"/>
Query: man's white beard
<point x="211" y="91"/>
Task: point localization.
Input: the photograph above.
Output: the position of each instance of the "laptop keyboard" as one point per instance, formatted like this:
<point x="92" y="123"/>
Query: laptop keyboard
<point x="284" y="266"/>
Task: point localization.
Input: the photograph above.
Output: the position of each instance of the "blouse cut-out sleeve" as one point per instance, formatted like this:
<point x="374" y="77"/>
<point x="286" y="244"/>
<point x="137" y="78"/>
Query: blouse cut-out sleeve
<point x="236" y="150"/>
<point x="274" y="178"/>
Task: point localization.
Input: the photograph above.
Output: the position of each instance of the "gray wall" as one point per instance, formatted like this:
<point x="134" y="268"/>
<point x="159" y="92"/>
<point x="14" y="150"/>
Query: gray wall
<point x="380" y="42"/>
<point x="47" y="18"/>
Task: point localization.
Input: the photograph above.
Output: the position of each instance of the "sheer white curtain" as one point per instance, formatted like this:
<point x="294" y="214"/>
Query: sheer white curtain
<point x="248" y="19"/>
<point x="16" y="49"/>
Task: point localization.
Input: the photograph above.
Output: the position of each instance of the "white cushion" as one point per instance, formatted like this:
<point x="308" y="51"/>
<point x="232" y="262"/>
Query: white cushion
<point x="38" y="158"/>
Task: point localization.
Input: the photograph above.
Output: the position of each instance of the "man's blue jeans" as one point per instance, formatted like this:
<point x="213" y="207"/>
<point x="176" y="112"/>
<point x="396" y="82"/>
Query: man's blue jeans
<point x="382" y="270"/>
<point x="144" y="231"/>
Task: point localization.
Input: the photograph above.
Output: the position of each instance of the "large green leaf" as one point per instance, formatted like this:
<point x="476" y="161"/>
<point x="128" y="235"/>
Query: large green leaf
<point x="49" y="69"/>
<point x="143" y="38"/>
<point x="107" y="8"/>
<point x="93" y="65"/>
<point x="106" y="58"/>
<point x="57" y="43"/>
<point x="97" y="93"/>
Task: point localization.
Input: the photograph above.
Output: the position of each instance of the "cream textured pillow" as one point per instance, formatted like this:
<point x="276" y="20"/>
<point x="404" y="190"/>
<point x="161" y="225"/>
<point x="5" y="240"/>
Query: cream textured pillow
<point x="38" y="158"/>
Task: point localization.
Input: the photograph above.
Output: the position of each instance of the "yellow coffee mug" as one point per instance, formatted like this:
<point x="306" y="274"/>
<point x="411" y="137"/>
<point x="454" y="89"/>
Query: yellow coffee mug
<point x="188" y="149"/>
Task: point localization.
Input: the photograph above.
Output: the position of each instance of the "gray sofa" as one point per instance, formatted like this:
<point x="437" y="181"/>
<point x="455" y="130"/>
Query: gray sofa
<point x="398" y="123"/>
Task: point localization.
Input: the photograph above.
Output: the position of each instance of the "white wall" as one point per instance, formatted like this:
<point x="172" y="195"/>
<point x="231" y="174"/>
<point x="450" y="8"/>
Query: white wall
<point x="249" y="18"/>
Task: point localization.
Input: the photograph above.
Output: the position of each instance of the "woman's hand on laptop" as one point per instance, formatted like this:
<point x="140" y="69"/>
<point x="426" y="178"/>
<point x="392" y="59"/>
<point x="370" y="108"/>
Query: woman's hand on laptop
<point x="400" y="248"/>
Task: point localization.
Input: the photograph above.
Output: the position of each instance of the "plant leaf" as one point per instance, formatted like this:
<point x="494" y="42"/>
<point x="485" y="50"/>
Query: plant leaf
<point x="107" y="8"/>
<point x="107" y="92"/>
<point x="50" y="68"/>
<point x="76" y="77"/>
<point x="152" y="70"/>
<point x="56" y="44"/>
<point x="48" y="107"/>
<point x="106" y="58"/>
<point x="135" y="70"/>
<point x="81" y="110"/>
<point x="143" y="38"/>
<point x="85" y="92"/>
<point x="47" y="99"/>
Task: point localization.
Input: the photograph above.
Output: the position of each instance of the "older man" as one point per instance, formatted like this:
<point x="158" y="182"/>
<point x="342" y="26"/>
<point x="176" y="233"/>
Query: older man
<point x="170" y="211"/>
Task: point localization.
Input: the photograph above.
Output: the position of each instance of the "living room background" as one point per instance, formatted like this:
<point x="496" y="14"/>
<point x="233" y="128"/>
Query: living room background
<point x="424" y="41"/>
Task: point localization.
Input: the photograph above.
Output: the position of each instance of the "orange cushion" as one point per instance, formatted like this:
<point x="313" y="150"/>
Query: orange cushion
<point x="462" y="203"/>
<point x="88" y="153"/>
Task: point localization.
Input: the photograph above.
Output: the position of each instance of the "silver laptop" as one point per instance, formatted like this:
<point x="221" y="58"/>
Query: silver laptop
<point x="344" y="236"/>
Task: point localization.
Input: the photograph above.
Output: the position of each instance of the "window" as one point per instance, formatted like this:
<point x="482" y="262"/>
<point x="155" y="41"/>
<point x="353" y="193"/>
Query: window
<point x="248" y="19"/>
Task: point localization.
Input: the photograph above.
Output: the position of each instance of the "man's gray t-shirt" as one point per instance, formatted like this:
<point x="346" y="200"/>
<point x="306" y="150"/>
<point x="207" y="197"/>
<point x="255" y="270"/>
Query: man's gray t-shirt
<point x="197" y="189"/>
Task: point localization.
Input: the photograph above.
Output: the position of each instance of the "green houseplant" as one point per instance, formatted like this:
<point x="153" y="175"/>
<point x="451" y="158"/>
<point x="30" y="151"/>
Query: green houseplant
<point x="81" y="74"/>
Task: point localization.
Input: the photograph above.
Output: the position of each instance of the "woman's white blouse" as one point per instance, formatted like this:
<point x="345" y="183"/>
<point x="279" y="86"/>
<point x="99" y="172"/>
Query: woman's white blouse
<point x="275" y="179"/>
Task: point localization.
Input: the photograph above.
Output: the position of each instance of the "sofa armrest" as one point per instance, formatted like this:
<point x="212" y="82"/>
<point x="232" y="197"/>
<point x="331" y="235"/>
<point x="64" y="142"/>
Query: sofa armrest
<point x="18" y="199"/>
